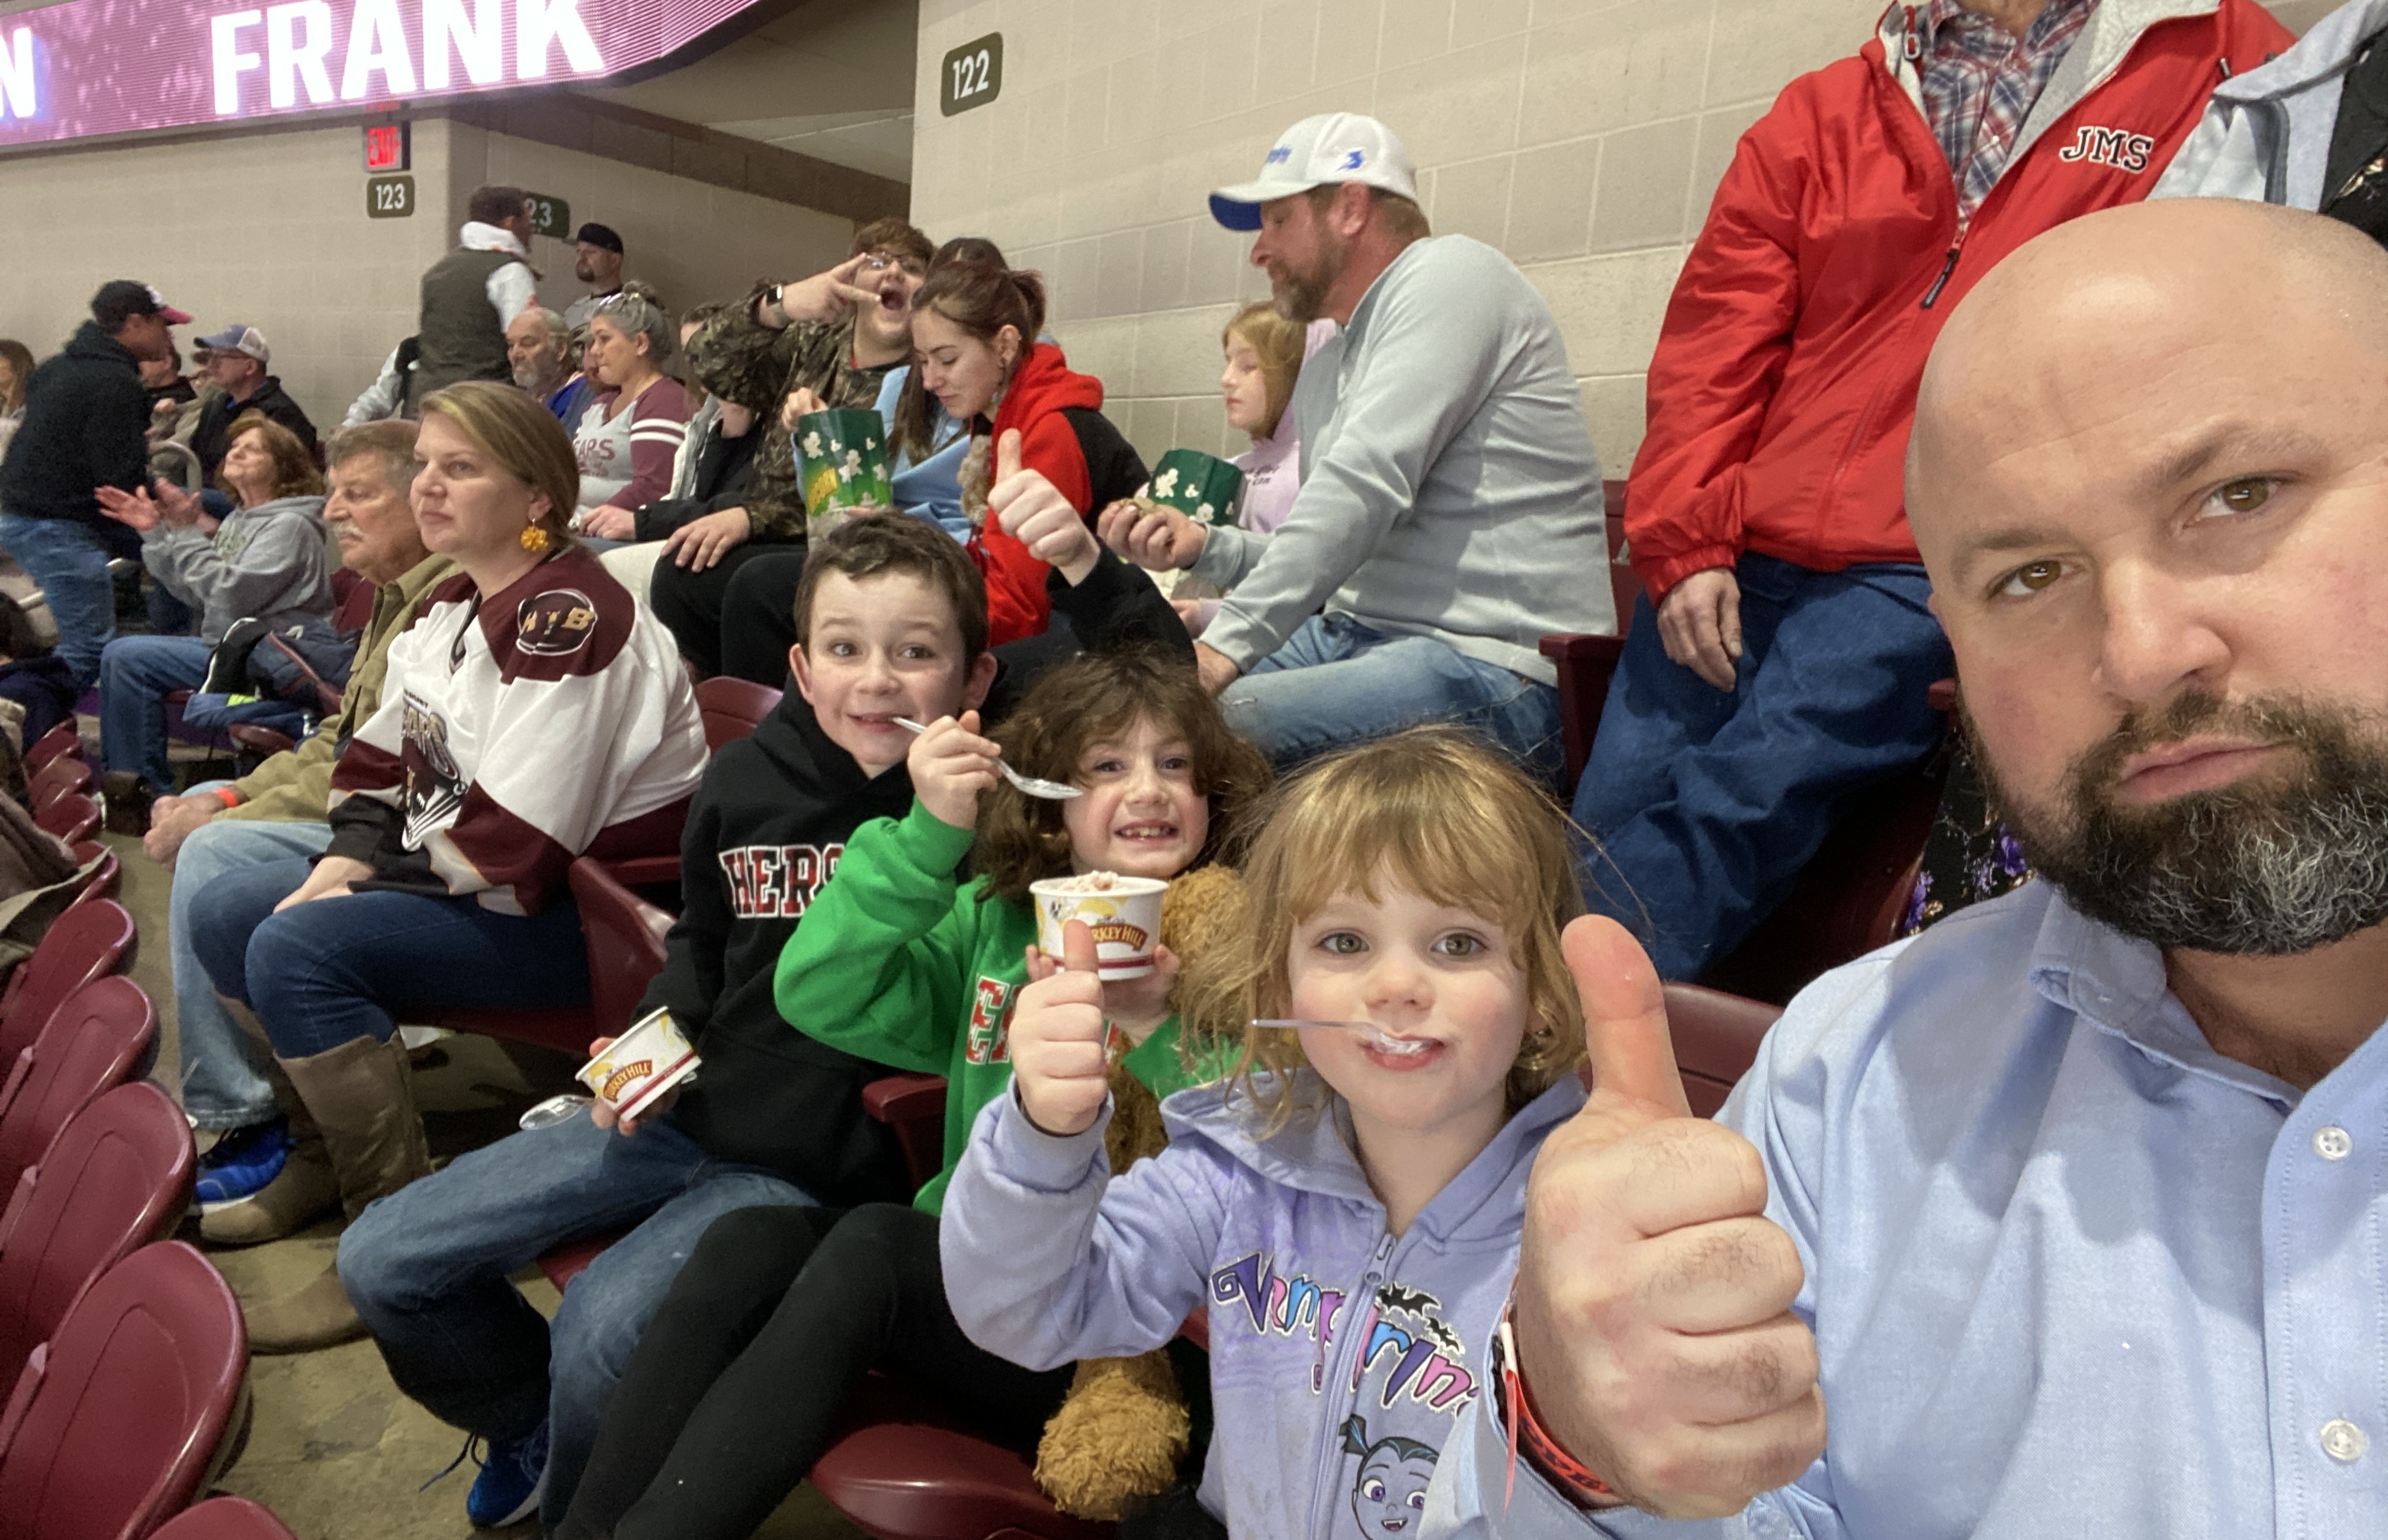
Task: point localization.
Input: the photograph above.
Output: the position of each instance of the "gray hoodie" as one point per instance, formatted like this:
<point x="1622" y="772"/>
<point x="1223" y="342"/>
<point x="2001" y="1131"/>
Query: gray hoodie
<point x="269" y="562"/>
<point x="2265" y="134"/>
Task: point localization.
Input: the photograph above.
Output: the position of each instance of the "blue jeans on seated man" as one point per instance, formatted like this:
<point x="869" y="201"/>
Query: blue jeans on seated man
<point x="1336" y="681"/>
<point x="66" y="558"/>
<point x="1707" y="804"/>
<point x="223" y="1069"/>
<point x="135" y="675"/>
<point x="324" y="972"/>
<point x="429" y="1268"/>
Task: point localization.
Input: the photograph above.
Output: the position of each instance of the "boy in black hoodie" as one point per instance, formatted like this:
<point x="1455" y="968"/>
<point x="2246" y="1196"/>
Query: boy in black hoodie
<point x="891" y="621"/>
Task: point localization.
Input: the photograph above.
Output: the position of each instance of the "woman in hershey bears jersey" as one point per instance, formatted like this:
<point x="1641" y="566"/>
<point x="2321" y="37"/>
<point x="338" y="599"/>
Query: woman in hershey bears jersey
<point x="534" y="712"/>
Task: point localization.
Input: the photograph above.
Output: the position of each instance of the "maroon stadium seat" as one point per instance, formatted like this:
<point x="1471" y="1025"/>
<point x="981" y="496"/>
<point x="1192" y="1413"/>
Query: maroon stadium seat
<point x="61" y="777"/>
<point x="87" y="942"/>
<point x="70" y="818"/>
<point x="60" y="739"/>
<point x="116" y="1179"/>
<point x="90" y="1045"/>
<point x="113" y="1424"/>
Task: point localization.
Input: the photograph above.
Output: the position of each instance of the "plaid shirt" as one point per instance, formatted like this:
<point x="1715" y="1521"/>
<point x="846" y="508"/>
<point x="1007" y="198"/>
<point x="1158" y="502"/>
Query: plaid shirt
<point x="1980" y="81"/>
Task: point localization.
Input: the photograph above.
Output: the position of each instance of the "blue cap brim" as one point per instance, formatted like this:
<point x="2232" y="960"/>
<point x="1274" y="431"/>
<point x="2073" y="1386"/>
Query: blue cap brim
<point x="1235" y="215"/>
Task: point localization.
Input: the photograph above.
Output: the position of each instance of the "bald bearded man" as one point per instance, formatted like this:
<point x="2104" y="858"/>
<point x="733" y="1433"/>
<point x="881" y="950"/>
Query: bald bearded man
<point x="2074" y="1210"/>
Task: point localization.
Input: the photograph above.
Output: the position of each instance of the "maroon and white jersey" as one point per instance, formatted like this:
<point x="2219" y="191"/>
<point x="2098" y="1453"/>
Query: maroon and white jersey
<point x="515" y="734"/>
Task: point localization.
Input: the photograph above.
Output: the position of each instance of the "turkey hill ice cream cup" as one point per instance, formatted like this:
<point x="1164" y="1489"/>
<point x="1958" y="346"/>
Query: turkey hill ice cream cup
<point x="843" y="462"/>
<point x="640" y="1065"/>
<point x="1197" y="485"/>
<point x="1124" y="913"/>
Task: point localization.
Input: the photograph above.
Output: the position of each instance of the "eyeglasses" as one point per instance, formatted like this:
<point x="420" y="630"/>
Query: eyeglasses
<point x="882" y="260"/>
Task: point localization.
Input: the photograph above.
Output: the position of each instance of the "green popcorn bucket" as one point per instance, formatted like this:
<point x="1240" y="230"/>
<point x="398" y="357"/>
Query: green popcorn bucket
<point x="843" y="463"/>
<point x="1197" y="485"/>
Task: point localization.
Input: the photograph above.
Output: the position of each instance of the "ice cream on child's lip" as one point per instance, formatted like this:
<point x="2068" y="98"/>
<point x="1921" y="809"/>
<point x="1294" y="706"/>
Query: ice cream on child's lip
<point x="1124" y="913"/>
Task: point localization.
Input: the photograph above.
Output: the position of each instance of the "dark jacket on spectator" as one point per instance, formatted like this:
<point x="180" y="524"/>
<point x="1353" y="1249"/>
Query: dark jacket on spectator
<point x="725" y="471"/>
<point x="85" y="423"/>
<point x="213" y="435"/>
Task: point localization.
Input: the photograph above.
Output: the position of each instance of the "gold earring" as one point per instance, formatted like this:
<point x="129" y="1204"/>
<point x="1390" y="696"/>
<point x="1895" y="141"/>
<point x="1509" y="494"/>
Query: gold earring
<point x="534" y="538"/>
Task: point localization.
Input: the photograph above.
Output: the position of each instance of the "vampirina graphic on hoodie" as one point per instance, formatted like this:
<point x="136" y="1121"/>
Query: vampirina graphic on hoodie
<point x="1342" y="1355"/>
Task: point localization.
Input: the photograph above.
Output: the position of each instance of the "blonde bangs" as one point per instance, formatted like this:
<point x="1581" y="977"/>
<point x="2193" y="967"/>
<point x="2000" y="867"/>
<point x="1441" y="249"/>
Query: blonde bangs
<point x="1439" y="813"/>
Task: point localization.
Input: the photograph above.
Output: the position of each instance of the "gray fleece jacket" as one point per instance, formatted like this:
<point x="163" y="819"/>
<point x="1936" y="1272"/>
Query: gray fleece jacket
<point x="1449" y="487"/>
<point x="2265" y="134"/>
<point x="269" y="562"/>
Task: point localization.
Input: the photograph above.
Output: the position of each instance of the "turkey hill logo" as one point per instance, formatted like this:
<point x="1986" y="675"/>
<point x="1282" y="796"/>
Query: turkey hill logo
<point x="634" y="1070"/>
<point x="2118" y="147"/>
<point x="557" y="622"/>
<point x="1119" y="933"/>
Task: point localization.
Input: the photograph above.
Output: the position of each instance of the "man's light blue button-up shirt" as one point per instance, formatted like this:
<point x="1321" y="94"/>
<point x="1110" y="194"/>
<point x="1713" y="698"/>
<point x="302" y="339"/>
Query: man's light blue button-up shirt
<point x="2071" y="1272"/>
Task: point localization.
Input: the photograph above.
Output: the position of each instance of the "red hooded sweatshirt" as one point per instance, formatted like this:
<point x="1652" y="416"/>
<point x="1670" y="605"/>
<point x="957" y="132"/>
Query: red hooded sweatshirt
<point x="1038" y="402"/>
<point x="1785" y="379"/>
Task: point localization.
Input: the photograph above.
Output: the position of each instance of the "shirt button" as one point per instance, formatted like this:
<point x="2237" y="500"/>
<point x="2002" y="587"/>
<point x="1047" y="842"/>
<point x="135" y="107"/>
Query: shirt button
<point x="2332" y="1143"/>
<point x="2343" y="1440"/>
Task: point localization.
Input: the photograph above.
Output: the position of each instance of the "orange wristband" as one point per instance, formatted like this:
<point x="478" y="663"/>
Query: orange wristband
<point x="226" y="795"/>
<point x="1570" y="1476"/>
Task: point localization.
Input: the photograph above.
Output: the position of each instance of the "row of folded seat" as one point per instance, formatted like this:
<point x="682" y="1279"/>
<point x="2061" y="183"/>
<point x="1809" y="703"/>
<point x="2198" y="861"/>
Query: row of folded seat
<point x="124" y="1349"/>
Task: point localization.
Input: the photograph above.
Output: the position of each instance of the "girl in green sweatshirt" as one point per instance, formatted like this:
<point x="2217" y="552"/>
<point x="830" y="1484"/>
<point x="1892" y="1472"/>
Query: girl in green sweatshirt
<point x="744" y="1374"/>
<point x="903" y="962"/>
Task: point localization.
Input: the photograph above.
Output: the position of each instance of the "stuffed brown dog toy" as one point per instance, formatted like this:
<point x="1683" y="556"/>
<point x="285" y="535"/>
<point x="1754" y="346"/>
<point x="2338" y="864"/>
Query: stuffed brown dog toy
<point x="1122" y="1433"/>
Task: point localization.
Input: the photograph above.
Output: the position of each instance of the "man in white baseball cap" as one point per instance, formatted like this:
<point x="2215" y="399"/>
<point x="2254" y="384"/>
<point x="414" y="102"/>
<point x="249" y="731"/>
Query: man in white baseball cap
<point x="1449" y="513"/>
<point x="237" y="357"/>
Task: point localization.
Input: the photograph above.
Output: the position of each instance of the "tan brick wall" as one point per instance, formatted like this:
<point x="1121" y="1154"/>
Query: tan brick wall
<point x="270" y="228"/>
<point x="1583" y="137"/>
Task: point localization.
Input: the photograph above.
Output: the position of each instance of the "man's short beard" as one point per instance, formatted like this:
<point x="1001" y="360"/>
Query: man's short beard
<point x="2269" y="865"/>
<point x="1302" y="296"/>
<point x="532" y="380"/>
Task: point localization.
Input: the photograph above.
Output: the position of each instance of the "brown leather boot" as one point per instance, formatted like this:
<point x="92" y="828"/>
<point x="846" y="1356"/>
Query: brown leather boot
<point x="362" y="1100"/>
<point x="303" y="1192"/>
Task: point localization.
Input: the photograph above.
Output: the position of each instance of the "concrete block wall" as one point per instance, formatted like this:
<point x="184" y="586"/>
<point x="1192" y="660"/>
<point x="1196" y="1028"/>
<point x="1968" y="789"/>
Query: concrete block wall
<point x="693" y="241"/>
<point x="1583" y="137"/>
<point x="270" y="228"/>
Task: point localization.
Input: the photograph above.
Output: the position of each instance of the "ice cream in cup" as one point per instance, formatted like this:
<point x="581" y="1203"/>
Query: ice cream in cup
<point x="1124" y="913"/>
<point x="639" y="1066"/>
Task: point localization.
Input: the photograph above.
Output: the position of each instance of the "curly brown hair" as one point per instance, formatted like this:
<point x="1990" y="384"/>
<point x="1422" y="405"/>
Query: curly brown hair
<point x="1087" y="701"/>
<point x="294" y="467"/>
<point x="1435" y="810"/>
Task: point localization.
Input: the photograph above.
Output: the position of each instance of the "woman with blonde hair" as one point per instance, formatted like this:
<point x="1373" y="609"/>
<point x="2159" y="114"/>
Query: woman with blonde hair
<point x="532" y="714"/>
<point x="267" y="559"/>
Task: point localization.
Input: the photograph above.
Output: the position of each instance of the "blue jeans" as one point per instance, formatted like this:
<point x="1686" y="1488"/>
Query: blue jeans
<point x="65" y="556"/>
<point x="1336" y="681"/>
<point x="223" y="1074"/>
<point x="135" y="672"/>
<point x="334" y="970"/>
<point x="429" y="1268"/>
<point x="1707" y="804"/>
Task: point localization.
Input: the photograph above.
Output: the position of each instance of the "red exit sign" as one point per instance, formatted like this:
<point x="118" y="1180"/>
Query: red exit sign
<point x="389" y="147"/>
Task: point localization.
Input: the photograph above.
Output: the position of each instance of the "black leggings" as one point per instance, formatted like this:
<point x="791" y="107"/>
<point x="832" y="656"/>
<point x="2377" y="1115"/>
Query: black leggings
<point x="736" y="617"/>
<point x="740" y="1381"/>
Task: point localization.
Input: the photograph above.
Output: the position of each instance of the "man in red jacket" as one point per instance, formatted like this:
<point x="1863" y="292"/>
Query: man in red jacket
<point x="1777" y="663"/>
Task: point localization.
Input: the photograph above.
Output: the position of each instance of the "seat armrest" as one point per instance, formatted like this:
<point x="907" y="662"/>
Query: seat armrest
<point x="1564" y="647"/>
<point x="906" y="1098"/>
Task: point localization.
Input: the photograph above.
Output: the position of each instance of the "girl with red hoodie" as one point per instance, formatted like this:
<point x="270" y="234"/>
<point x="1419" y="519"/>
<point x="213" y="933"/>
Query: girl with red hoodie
<point x="974" y="330"/>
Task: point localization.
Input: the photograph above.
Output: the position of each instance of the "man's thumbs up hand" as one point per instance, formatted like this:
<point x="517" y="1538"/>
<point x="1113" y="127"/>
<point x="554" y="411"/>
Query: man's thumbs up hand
<point x="1032" y="511"/>
<point x="1057" y="1037"/>
<point x="1653" y="1305"/>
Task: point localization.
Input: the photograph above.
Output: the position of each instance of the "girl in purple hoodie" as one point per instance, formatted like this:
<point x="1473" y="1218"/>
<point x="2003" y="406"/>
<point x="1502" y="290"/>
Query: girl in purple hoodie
<point x="1348" y="1203"/>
